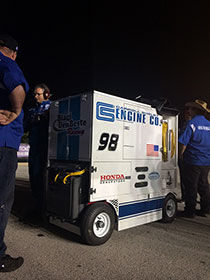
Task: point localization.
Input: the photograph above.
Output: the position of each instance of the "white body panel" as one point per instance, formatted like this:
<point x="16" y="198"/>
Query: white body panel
<point x="116" y="180"/>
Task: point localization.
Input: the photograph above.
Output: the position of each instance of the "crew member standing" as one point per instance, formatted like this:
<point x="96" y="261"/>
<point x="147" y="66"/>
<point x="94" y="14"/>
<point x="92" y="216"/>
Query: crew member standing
<point x="13" y="88"/>
<point x="37" y="123"/>
<point x="194" y="147"/>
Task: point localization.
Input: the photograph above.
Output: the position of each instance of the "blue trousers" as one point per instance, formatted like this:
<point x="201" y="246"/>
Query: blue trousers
<point x="8" y="166"/>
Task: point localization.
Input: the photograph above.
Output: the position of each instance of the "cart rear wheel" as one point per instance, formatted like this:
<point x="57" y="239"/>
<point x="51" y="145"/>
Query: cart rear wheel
<point x="169" y="208"/>
<point x="97" y="223"/>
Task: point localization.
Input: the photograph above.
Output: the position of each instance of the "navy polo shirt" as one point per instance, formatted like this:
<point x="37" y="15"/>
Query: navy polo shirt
<point x="196" y="138"/>
<point x="37" y="124"/>
<point x="10" y="77"/>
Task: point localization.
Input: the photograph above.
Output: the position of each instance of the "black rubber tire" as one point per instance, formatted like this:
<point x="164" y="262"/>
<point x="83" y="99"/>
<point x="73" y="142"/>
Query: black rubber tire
<point x="169" y="201"/>
<point x="87" y="223"/>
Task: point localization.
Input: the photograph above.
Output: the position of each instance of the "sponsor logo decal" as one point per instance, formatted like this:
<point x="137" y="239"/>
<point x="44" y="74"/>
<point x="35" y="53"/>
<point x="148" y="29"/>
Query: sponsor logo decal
<point x="105" y="112"/>
<point x="72" y="127"/>
<point x="111" y="113"/>
<point x="154" y="175"/>
<point x="116" y="178"/>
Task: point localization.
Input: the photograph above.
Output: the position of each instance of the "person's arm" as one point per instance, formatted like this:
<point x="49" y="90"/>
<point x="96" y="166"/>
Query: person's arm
<point x="185" y="138"/>
<point x="182" y="149"/>
<point x="17" y="97"/>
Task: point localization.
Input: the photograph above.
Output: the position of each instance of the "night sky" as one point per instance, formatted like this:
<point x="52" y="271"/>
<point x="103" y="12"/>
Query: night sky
<point x="155" y="49"/>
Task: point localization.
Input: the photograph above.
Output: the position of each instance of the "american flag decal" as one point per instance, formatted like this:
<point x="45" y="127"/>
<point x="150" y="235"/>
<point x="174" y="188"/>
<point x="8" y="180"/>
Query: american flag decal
<point x="152" y="150"/>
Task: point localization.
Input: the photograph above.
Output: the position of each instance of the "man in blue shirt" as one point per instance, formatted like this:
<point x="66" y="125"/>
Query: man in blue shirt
<point x="194" y="148"/>
<point x="13" y="88"/>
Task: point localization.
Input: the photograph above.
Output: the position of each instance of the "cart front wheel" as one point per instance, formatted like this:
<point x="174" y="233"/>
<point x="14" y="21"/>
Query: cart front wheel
<point x="97" y="223"/>
<point x="169" y="208"/>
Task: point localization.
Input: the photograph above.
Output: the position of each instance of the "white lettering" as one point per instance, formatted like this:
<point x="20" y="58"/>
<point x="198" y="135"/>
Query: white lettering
<point x="203" y="128"/>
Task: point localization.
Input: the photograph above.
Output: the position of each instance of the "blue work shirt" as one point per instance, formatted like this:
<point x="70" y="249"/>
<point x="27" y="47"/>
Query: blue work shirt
<point x="37" y="123"/>
<point x="10" y="77"/>
<point x="39" y="109"/>
<point x="196" y="138"/>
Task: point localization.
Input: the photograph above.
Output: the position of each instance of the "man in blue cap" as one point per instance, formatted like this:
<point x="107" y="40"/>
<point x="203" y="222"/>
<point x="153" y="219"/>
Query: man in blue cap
<point x="13" y="88"/>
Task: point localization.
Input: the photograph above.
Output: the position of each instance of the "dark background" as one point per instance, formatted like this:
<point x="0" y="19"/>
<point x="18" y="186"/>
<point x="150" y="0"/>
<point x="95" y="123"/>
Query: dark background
<point x="154" y="49"/>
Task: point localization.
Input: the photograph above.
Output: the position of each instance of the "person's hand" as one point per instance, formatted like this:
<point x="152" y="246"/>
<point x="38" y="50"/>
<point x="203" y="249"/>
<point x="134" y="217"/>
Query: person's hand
<point x="7" y="117"/>
<point x="16" y="98"/>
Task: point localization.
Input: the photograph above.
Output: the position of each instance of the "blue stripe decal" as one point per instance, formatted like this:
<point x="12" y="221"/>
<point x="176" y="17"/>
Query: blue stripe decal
<point x="142" y="200"/>
<point x="74" y="140"/>
<point x="62" y="138"/>
<point x="140" y="208"/>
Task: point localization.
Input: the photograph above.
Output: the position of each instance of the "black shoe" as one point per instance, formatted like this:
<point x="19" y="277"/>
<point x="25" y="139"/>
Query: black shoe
<point x="8" y="263"/>
<point x="187" y="214"/>
<point x="202" y="213"/>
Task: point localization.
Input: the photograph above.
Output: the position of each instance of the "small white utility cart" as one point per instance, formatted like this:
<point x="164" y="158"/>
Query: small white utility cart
<point x="112" y="163"/>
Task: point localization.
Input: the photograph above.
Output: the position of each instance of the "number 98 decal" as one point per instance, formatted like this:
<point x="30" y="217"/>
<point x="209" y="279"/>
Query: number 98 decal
<point x="106" y="140"/>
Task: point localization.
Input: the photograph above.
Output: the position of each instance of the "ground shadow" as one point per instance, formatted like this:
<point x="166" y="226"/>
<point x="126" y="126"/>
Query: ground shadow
<point x="23" y="206"/>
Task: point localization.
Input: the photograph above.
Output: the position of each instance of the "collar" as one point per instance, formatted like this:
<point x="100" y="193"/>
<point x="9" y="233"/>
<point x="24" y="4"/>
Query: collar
<point x="6" y="58"/>
<point x="43" y="103"/>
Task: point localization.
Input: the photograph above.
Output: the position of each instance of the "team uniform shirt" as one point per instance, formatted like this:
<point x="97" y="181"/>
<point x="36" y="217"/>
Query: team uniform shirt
<point x="196" y="138"/>
<point x="37" y="123"/>
<point x="10" y="77"/>
<point x="39" y="109"/>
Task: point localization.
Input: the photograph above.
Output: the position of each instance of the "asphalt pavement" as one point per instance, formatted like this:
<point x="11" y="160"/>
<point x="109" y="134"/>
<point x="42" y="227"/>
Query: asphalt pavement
<point x="180" y="250"/>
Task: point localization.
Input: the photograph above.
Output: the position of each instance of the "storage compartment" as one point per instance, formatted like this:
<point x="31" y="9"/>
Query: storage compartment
<point x="67" y="192"/>
<point x="58" y="201"/>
